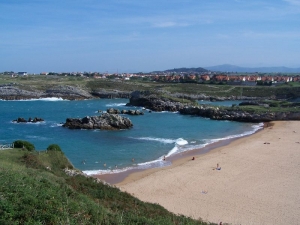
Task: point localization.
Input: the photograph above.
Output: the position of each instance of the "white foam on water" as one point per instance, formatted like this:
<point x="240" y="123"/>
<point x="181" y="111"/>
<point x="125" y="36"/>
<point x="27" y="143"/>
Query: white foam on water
<point x="255" y="127"/>
<point x="51" y="99"/>
<point x="115" y="104"/>
<point x="181" y="145"/>
<point x="56" y="125"/>
<point x="162" y="140"/>
<point x="30" y="123"/>
<point x="181" y="141"/>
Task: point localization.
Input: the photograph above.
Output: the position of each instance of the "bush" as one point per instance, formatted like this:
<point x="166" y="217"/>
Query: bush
<point x="24" y="144"/>
<point x="54" y="147"/>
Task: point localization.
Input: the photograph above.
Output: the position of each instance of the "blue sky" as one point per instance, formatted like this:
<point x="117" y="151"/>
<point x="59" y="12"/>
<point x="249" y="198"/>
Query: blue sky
<point x="146" y="35"/>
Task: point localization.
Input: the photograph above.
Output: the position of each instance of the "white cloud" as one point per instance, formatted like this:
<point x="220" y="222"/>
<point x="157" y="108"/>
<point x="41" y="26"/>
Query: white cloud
<point x="293" y="2"/>
<point x="251" y="34"/>
<point x="169" y="24"/>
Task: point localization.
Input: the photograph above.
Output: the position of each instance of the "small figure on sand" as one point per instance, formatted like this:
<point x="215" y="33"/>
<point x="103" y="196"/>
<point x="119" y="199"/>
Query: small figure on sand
<point x="164" y="158"/>
<point x="218" y="167"/>
<point x="193" y="158"/>
<point x="204" y="192"/>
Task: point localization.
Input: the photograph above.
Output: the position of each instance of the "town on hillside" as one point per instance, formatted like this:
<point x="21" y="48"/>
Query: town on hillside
<point x="210" y="77"/>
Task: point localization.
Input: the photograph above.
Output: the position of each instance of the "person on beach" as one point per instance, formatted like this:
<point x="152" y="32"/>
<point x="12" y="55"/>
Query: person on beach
<point x="218" y="167"/>
<point x="164" y="158"/>
<point x="193" y="158"/>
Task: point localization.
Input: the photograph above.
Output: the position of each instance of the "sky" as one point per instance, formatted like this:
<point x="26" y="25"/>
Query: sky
<point x="147" y="35"/>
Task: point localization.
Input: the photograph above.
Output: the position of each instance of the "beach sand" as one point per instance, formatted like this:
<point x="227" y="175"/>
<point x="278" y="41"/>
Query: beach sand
<point x="259" y="180"/>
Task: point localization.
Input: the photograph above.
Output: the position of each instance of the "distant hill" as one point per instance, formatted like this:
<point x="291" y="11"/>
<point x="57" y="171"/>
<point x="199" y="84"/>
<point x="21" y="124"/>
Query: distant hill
<point x="184" y="70"/>
<point x="232" y="68"/>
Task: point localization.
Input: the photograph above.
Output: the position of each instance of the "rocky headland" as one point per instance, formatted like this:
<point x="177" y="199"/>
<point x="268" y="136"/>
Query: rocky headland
<point x="155" y="103"/>
<point x="105" y="121"/>
<point x="240" y="115"/>
<point x="12" y="92"/>
<point x="111" y="94"/>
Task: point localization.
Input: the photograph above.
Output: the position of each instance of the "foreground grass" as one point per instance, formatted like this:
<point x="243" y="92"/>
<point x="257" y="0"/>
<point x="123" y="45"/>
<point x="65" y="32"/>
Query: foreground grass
<point x="34" y="189"/>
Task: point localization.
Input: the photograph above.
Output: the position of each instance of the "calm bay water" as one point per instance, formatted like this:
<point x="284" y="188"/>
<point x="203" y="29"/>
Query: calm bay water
<point x="152" y="136"/>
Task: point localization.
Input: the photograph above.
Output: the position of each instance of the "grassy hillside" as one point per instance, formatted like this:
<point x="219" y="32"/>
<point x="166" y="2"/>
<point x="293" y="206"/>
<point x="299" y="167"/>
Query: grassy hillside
<point x="34" y="189"/>
<point x="37" y="82"/>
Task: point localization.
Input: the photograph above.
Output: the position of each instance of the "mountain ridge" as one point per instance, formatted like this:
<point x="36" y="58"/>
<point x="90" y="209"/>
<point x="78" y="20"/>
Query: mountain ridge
<point x="233" y="68"/>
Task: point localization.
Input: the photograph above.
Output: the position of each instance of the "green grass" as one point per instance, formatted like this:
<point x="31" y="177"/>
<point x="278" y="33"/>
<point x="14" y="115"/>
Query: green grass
<point x="37" y="82"/>
<point x="35" y="190"/>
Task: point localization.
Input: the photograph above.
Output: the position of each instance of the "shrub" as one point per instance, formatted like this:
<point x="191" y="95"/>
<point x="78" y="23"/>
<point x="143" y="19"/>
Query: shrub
<point x="54" y="147"/>
<point x="24" y="144"/>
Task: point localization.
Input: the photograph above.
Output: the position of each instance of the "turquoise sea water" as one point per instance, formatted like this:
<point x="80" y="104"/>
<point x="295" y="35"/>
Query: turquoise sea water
<point x="152" y="136"/>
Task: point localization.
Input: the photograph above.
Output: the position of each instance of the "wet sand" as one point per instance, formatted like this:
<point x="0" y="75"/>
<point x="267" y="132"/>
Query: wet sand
<point x="258" y="182"/>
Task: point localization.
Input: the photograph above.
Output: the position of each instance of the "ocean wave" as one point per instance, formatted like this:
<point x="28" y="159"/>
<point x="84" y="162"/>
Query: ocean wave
<point x="181" y="145"/>
<point x="255" y="127"/>
<point x="179" y="141"/>
<point x="162" y="140"/>
<point x="115" y="104"/>
<point x="33" y="123"/>
<point x="141" y="166"/>
<point x="56" y="125"/>
<point x="51" y="99"/>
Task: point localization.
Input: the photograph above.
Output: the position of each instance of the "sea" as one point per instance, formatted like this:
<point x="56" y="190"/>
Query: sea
<point x="154" y="135"/>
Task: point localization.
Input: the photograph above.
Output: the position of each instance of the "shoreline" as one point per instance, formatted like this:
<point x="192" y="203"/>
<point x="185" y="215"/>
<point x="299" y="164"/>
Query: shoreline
<point x="173" y="160"/>
<point x="257" y="184"/>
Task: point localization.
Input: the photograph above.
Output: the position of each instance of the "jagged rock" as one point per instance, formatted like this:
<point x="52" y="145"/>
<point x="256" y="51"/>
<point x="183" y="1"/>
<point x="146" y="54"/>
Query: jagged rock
<point x="238" y="115"/>
<point x="15" y="93"/>
<point x="113" y="111"/>
<point x="124" y="111"/>
<point x="104" y="122"/>
<point x="10" y="92"/>
<point x="68" y="92"/>
<point x="129" y="112"/>
<point x="151" y="101"/>
<point x="22" y="120"/>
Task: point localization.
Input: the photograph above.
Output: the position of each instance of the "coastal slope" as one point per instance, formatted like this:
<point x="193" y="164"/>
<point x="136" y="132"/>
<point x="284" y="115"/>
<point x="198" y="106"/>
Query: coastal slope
<point x="258" y="182"/>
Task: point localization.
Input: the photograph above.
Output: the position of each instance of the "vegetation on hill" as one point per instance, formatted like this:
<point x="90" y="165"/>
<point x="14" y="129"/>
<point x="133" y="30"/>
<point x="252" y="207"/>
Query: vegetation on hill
<point x="35" y="189"/>
<point x="37" y="82"/>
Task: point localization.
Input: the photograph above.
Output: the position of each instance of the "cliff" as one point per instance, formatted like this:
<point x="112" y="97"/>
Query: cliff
<point x="11" y="92"/>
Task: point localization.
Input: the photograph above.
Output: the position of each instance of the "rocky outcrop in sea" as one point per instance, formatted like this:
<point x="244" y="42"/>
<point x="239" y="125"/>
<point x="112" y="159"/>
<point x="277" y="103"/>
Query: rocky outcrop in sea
<point x="22" y="120"/>
<point x="153" y="102"/>
<point x="124" y="111"/>
<point x="105" y="121"/>
<point x="217" y="113"/>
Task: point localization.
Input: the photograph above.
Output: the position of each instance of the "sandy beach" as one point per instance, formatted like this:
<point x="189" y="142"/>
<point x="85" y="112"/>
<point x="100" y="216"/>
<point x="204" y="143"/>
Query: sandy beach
<point x="259" y="180"/>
